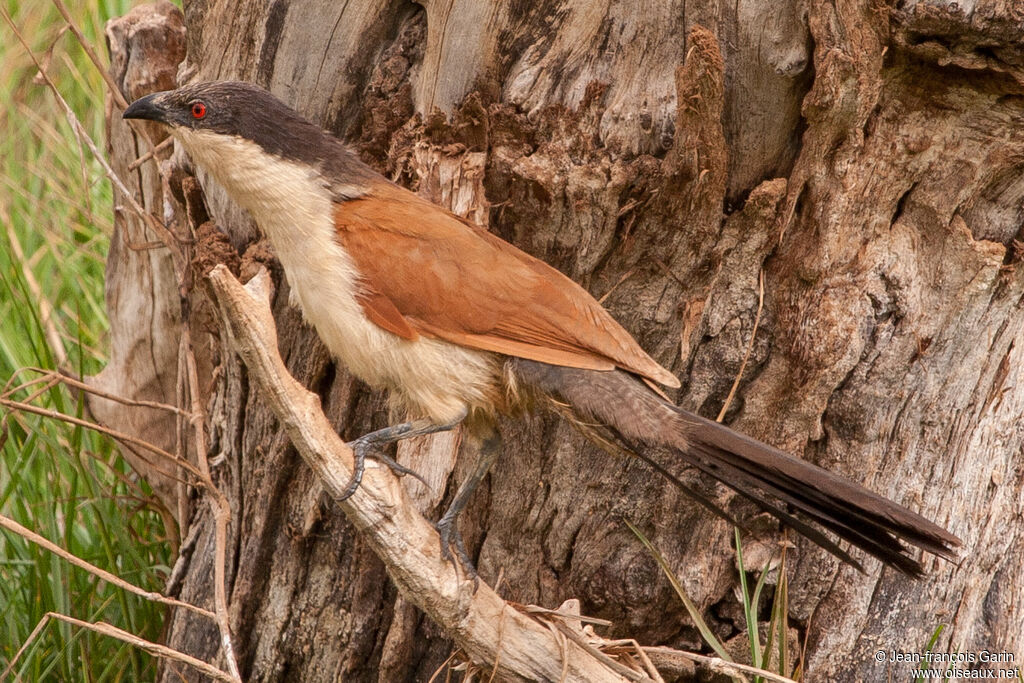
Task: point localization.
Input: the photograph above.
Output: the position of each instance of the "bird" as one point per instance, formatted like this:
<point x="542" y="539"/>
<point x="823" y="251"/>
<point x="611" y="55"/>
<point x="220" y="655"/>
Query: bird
<point x="460" y="326"/>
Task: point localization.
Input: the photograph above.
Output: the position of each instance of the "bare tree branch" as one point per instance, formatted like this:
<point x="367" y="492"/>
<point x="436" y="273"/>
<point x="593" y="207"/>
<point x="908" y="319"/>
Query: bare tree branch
<point x="481" y="623"/>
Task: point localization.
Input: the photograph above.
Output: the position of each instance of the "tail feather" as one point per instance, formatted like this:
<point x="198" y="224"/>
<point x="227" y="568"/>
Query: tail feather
<point x="837" y="500"/>
<point x="639" y="419"/>
<point x="614" y="442"/>
<point x="844" y="517"/>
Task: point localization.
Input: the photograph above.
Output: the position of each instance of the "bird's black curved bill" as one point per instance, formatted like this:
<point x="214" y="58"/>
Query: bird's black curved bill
<point x="145" y="108"/>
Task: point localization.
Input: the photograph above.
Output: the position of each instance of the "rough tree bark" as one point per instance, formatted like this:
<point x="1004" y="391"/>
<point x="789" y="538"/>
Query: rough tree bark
<point x="865" y="155"/>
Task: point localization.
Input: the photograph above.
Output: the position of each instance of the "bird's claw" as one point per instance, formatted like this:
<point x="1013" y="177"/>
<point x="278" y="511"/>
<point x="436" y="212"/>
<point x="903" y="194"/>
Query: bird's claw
<point x="359" y="449"/>
<point x="451" y="538"/>
<point x="364" y="448"/>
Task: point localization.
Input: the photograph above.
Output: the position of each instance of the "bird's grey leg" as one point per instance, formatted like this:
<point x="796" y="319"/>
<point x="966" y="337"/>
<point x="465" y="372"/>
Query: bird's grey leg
<point x="368" y="445"/>
<point x="490" y="447"/>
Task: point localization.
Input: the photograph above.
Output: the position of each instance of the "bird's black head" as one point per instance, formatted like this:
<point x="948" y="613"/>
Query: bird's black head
<point x="237" y="109"/>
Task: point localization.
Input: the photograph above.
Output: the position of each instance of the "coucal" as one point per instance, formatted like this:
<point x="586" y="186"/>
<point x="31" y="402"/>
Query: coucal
<point x="456" y="323"/>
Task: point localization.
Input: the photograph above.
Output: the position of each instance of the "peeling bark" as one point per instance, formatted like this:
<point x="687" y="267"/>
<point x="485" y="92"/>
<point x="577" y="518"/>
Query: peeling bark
<point x="866" y="157"/>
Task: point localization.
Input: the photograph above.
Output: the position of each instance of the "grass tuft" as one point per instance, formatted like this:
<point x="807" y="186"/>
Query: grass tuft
<point x="62" y="481"/>
<point x="760" y="655"/>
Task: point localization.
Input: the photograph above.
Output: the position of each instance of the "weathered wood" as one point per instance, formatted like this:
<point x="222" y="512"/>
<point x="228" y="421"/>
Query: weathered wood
<point x="868" y="159"/>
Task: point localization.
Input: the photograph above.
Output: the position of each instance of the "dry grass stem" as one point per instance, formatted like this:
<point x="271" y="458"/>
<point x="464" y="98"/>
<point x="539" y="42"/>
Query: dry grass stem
<point x="170" y="241"/>
<point x="40" y="625"/>
<point x="566" y="623"/>
<point x="618" y="282"/>
<point x="167" y="240"/>
<point x="219" y="505"/>
<point x="629" y="646"/>
<point x="11" y="390"/>
<point x="444" y="664"/>
<point x="46" y="386"/>
<point x="112" y="433"/>
<point x="164" y="144"/>
<point x="29" y="535"/>
<point x="534" y="609"/>
<point x="52" y="377"/>
<point x="124" y="636"/>
<point x="46" y="317"/>
<point x="91" y="53"/>
<point x="665" y="655"/>
<point x="613" y="664"/>
<point x="115" y="91"/>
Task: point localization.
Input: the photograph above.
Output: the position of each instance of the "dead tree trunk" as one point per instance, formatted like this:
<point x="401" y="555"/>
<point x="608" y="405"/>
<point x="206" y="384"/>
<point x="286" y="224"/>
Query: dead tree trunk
<point x="866" y="157"/>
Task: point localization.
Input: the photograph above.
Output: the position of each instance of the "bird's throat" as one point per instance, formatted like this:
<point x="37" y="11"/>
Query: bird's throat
<point x="272" y="189"/>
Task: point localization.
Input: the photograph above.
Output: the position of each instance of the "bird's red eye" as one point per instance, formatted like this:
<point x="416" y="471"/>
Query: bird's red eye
<point x="198" y="110"/>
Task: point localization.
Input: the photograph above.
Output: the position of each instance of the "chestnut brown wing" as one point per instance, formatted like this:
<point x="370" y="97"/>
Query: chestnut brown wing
<point x="426" y="271"/>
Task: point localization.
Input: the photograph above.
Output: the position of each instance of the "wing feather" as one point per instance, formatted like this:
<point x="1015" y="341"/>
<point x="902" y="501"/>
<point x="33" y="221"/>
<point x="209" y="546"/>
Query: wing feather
<point x="426" y="271"/>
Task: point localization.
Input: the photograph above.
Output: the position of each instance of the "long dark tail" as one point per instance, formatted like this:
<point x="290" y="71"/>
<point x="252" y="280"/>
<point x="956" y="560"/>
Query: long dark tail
<point x="617" y="408"/>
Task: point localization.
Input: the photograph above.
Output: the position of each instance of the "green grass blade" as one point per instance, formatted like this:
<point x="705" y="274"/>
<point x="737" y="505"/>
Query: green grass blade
<point x="932" y="642"/>
<point x="749" y="604"/>
<point x="63" y="482"/>
<point x="691" y="608"/>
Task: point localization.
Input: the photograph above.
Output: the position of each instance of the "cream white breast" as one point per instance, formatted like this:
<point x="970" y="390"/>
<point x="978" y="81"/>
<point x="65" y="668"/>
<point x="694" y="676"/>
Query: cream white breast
<point x="292" y="205"/>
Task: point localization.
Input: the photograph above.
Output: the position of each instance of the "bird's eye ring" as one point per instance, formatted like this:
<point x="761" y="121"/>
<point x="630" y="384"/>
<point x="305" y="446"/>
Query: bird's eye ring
<point x="198" y="110"/>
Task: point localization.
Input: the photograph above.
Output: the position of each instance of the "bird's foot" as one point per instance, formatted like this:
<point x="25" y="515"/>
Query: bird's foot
<point x="364" y="448"/>
<point x="451" y="539"/>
